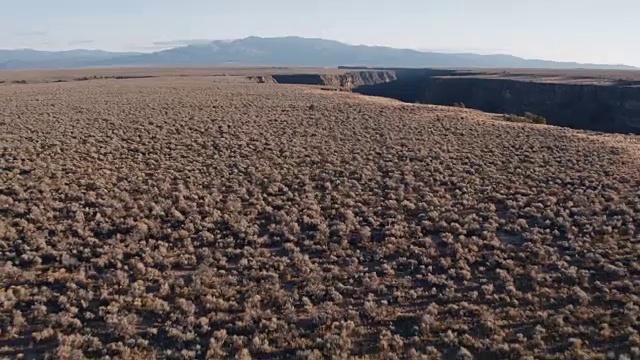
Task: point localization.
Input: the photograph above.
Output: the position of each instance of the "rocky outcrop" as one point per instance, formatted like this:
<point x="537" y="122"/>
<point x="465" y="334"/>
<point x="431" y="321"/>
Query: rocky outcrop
<point x="606" y="108"/>
<point x="349" y="80"/>
<point x="262" y="79"/>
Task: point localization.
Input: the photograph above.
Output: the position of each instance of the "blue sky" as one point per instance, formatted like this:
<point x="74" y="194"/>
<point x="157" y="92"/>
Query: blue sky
<point x="581" y="30"/>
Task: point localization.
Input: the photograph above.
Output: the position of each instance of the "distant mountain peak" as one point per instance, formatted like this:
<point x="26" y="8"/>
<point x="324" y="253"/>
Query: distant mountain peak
<point x="277" y="51"/>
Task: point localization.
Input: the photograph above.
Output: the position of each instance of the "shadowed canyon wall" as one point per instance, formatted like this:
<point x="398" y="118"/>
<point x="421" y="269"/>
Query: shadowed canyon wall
<point x="606" y="108"/>
<point x="580" y="103"/>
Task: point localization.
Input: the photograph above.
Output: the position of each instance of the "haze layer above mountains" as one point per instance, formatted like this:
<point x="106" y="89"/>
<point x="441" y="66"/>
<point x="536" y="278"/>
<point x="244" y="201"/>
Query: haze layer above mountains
<point x="279" y="51"/>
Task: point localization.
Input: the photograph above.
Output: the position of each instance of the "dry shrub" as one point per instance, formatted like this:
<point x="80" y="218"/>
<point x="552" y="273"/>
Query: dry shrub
<point x="218" y="218"/>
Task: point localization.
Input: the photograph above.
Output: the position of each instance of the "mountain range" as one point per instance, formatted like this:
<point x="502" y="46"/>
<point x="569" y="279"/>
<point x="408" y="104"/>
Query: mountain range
<point x="277" y="51"/>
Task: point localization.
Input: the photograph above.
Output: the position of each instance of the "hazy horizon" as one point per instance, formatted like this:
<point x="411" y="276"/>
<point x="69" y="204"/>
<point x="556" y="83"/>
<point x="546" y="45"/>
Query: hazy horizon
<point x="580" y="31"/>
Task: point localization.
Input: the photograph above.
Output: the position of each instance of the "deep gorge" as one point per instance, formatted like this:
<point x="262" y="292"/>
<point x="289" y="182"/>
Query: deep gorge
<point x="613" y="108"/>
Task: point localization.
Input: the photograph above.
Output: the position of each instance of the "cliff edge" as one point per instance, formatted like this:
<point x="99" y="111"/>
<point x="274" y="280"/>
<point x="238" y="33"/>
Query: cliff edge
<point x="348" y="80"/>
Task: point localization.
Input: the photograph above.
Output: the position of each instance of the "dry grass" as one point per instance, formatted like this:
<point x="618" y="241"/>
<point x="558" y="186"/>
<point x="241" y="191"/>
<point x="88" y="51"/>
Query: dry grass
<point x="217" y="218"/>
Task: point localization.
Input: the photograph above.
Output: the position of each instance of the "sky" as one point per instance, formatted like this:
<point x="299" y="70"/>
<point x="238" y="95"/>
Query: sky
<point x="593" y="31"/>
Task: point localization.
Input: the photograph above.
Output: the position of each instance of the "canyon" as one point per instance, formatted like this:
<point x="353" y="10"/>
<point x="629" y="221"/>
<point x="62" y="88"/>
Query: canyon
<point x="604" y="101"/>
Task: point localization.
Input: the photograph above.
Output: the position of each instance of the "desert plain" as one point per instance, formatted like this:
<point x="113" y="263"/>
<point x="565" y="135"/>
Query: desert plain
<point x="193" y="217"/>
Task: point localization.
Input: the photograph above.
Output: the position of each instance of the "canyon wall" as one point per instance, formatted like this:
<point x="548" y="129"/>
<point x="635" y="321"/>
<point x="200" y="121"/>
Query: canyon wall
<point x="350" y="80"/>
<point x="606" y="108"/>
<point x="579" y="102"/>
